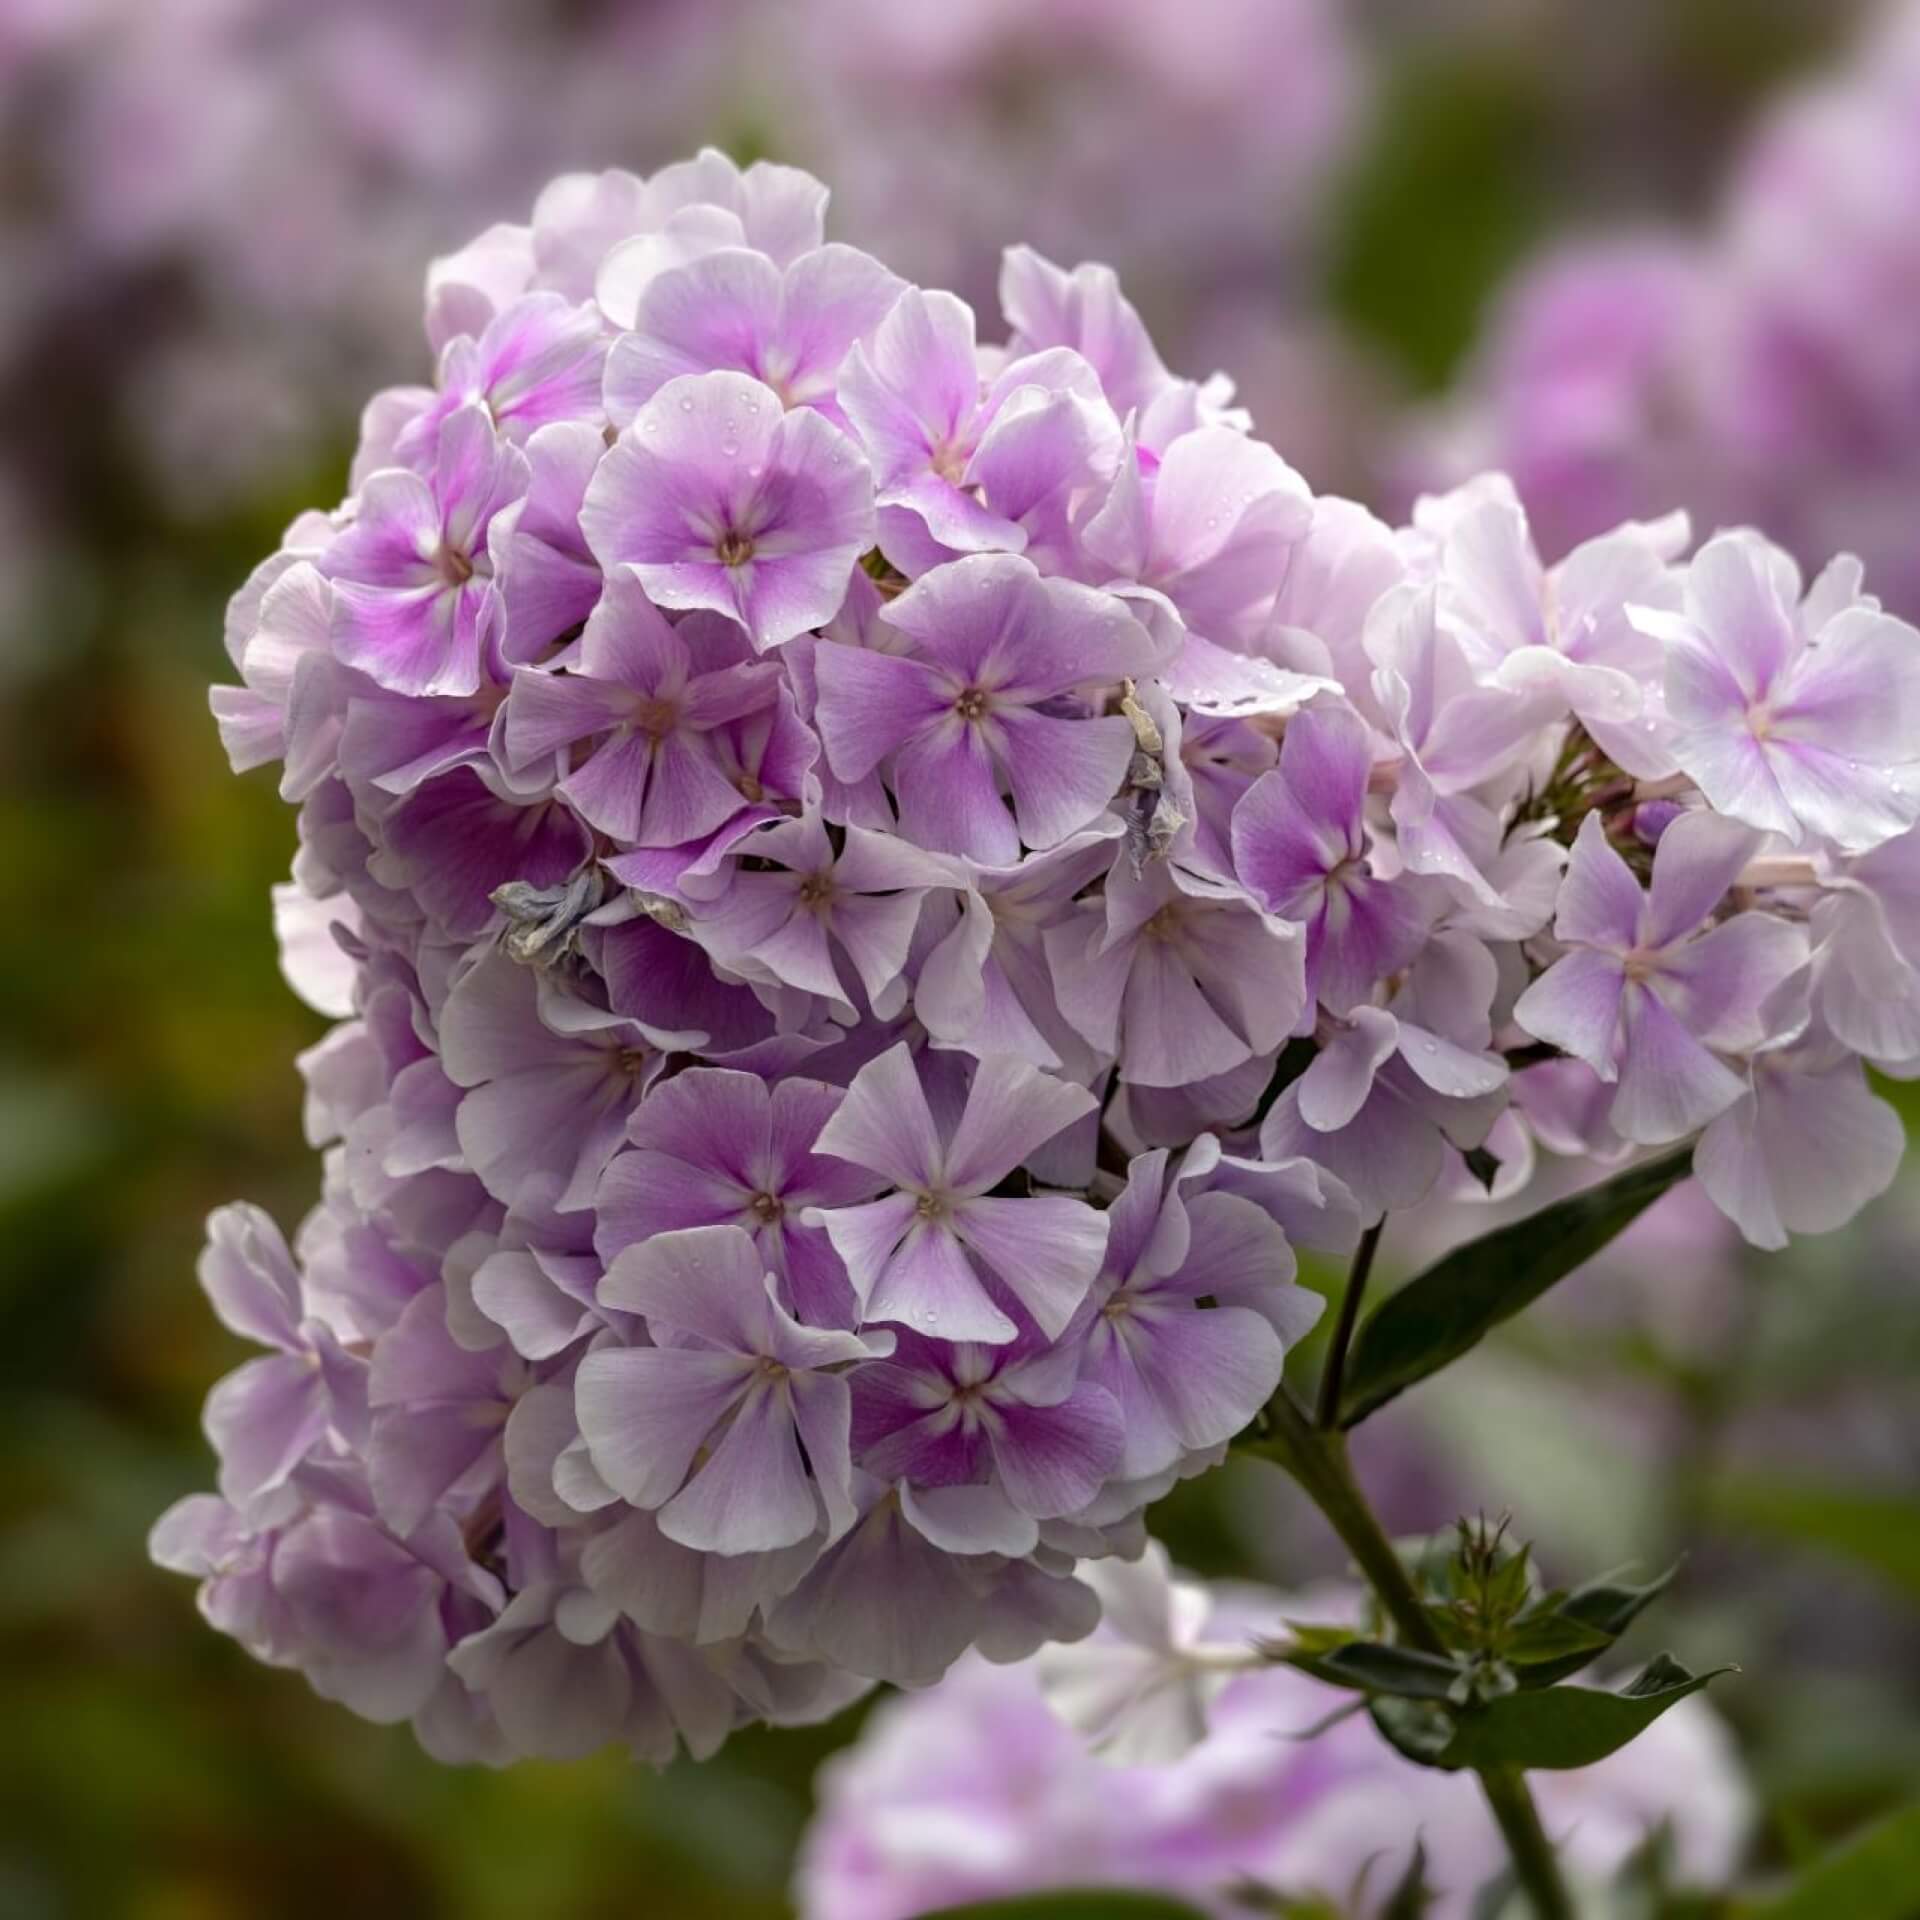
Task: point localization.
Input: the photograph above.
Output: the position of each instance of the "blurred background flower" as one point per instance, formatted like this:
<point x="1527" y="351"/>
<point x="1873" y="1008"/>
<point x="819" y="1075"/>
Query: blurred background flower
<point x="1658" y="252"/>
<point x="977" y="1789"/>
<point x="1755" y="364"/>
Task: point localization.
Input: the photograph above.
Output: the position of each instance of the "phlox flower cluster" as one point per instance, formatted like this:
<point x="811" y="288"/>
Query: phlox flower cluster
<point x="1211" y="1783"/>
<point x="1756" y="368"/>
<point x="878" y="887"/>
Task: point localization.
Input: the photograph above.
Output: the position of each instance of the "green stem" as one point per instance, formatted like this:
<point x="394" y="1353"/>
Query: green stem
<point x="1327" y="1413"/>
<point x="1317" y="1459"/>
<point x="1533" y="1857"/>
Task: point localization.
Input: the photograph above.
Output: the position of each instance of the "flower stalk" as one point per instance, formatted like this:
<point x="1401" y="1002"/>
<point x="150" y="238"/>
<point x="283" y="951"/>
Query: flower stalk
<point x="1315" y="1456"/>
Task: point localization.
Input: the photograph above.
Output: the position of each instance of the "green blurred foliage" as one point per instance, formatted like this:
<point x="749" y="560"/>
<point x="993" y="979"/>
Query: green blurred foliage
<point x="150" y="1770"/>
<point x="1439" y="210"/>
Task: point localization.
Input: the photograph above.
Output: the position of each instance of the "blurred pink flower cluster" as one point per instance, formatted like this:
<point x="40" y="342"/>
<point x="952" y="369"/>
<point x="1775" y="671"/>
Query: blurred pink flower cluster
<point x="249" y="186"/>
<point x="982" y="1788"/>
<point x="256" y="181"/>
<point x="1765" y="370"/>
<point x="1033" y="118"/>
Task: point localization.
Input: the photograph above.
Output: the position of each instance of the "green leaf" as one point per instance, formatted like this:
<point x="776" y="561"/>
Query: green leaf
<point x="1551" y="1640"/>
<point x="1605" y="1608"/>
<point x="1412" y="1896"/>
<point x="1312" y="1636"/>
<point x="1253" y="1896"/>
<point x="1555" y="1728"/>
<point x="1610" y="1605"/>
<point x="1451" y="1307"/>
<point x="1418" y="1730"/>
<point x="1371" y="1666"/>
<point x="1874" y="1876"/>
<point x="1090" y="1903"/>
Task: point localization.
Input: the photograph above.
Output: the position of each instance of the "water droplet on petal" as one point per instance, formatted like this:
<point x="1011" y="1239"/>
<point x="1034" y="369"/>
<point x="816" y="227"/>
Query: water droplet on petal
<point x="686" y="406"/>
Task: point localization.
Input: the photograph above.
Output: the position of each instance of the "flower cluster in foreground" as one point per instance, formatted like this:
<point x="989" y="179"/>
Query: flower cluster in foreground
<point x="979" y="1789"/>
<point x="878" y="887"/>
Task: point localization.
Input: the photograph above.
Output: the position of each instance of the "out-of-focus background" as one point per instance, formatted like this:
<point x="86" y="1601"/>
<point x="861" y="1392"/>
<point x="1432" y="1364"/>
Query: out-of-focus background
<point x="1589" y="243"/>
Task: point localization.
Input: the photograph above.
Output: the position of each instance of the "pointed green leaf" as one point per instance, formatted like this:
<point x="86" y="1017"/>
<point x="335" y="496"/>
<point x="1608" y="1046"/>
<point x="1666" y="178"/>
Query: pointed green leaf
<point x="1549" y="1641"/>
<point x="1412" y="1896"/>
<point x="1874" y="1876"/>
<point x="1452" y="1306"/>
<point x="1418" y="1730"/>
<point x="1312" y="1636"/>
<point x="1606" y="1608"/>
<point x="1254" y="1896"/>
<point x="1554" y="1728"/>
<point x="1611" y="1605"/>
<point x="1371" y="1666"/>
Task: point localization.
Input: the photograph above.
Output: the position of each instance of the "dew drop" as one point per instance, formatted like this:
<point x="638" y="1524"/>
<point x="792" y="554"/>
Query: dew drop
<point x="686" y="406"/>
